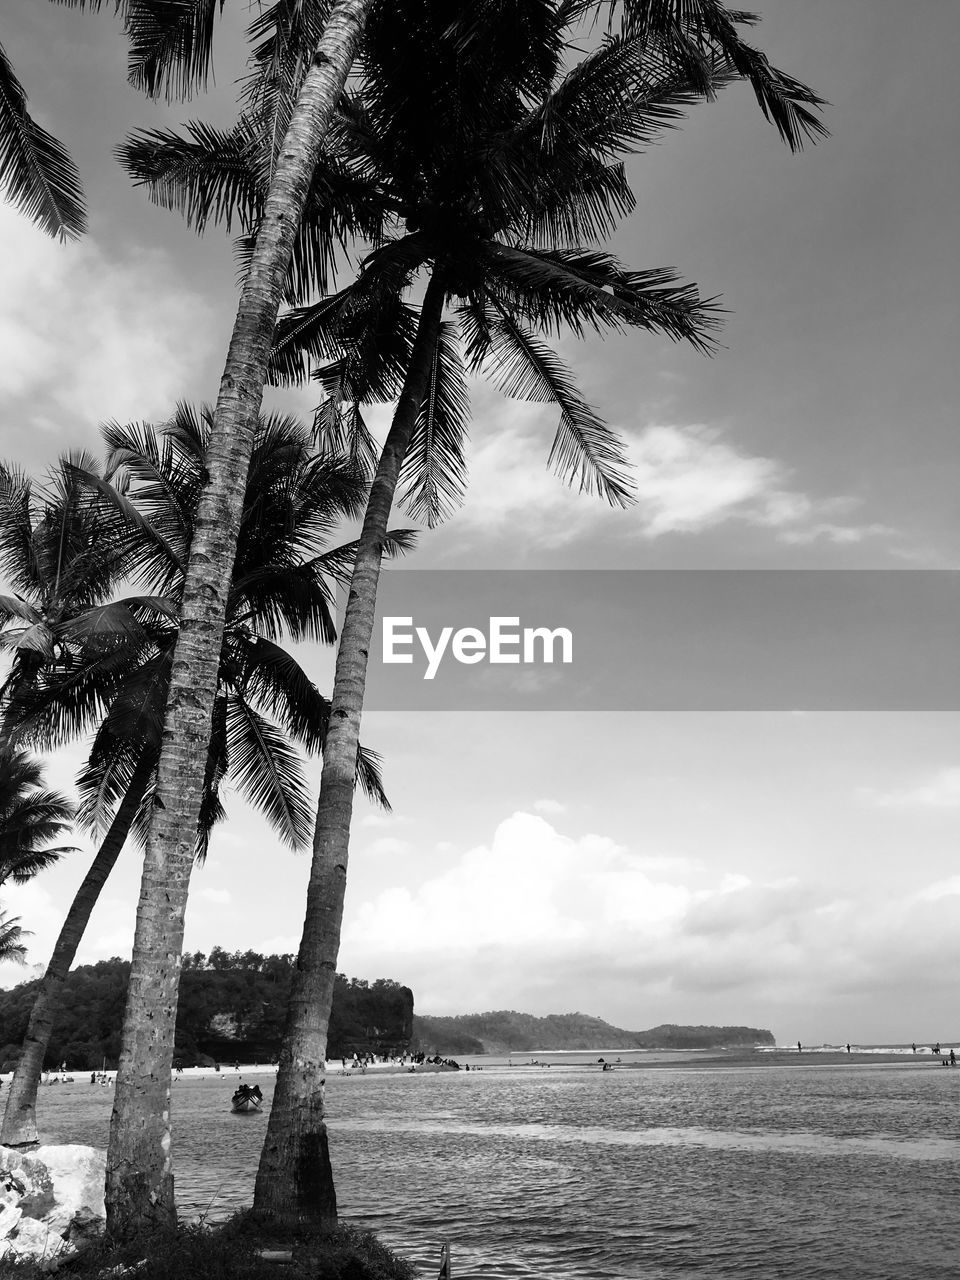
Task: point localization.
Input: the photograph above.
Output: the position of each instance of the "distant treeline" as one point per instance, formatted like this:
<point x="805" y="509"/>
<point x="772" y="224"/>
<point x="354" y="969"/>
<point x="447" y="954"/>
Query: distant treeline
<point x="506" y="1031"/>
<point x="232" y="1009"/>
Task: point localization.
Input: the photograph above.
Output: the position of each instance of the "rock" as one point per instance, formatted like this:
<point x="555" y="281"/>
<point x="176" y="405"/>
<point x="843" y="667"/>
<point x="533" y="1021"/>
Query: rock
<point x="51" y="1200"/>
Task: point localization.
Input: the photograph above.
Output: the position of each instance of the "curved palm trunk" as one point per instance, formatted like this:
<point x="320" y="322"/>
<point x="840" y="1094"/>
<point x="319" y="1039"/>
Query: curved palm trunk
<point x="20" y="1116"/>
<point x="139" y="1186"/>
<point x="294" y="1185"/>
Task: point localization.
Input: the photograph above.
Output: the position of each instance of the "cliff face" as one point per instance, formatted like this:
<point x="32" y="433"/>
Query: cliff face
<point x="506" y="1031"/>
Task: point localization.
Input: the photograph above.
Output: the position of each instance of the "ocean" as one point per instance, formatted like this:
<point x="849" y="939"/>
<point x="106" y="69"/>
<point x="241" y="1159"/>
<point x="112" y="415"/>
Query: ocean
<point x="764" y="1167"/>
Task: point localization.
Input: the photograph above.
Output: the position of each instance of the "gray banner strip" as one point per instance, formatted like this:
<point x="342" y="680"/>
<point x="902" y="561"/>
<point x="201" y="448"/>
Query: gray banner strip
<point x="646" y="640"/>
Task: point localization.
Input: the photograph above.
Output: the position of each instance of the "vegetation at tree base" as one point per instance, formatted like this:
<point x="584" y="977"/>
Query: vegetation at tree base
<point x="505" y="1031"/>
<point x="228" y="1252"/>
<point x="231" y="1009"/>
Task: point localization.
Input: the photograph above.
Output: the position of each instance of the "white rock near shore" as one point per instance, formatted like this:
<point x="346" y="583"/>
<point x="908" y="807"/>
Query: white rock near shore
<point x="51" y="1200"/>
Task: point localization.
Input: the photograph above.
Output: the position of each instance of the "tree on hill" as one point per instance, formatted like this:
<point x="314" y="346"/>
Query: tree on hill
<point x="229" y="1013"/>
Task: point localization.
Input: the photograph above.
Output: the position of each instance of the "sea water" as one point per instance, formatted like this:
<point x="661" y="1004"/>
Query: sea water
<point x="803" y="1170"/>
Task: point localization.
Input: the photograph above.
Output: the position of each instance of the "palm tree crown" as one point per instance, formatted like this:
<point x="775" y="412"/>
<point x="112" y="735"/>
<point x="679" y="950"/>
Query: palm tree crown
<point x="31" y="816"/>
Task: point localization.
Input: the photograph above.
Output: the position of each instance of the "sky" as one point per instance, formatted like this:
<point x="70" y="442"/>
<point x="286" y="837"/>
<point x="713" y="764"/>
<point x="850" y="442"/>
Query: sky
<point x="785" y="868"/>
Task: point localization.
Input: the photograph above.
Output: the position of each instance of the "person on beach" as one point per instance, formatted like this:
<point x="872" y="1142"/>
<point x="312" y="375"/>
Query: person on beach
<point x="799" y="1047"/>
<point x="953" y="1058"/>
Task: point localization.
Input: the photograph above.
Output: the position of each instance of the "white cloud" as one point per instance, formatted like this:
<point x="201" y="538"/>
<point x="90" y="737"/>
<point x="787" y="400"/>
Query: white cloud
<point x="92" y="335"/>
<point x="689" y="479"/>
<point x="553" y="807"/>
<point x="546" y="922"/>
<point x="940" y="792"/>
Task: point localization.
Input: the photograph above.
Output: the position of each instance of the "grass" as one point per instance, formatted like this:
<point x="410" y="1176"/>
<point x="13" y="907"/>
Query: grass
<point x="229" y="1252"/>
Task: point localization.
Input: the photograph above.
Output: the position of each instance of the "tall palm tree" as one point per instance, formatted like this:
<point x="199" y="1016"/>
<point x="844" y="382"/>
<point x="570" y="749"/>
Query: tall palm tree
<point x="139" y="1181"/>
<point x="475" y="209"/>
<point x="122" y="657"/>
<point x="304" y="80"/>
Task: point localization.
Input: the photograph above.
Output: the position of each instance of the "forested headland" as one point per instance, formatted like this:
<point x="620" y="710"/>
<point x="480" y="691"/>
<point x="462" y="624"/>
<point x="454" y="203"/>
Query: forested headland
<point x="232" y="1008"/>
<point x="506" y="1031"/>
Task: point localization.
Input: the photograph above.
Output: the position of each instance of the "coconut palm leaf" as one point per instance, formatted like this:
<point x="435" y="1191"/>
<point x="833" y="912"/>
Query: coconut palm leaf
<point x="36" y="172"/>
<point x="12" y="946"/>
<point x="31" y="816"/>
<point x="267" y="770"/>
<point x="210" y="174"/>
<point x="434" y="473"/>
<point x="585" y="449"/>
<point x="699" y="34"/>
<point x="171" y="45"/>
<point x="576" y="289"/>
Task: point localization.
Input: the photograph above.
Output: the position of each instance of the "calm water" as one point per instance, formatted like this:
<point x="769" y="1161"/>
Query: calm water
<point x="798" y="1171"/>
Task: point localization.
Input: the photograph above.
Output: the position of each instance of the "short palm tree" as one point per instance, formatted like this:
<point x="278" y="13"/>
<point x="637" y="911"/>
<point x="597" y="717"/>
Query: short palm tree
<point x="12" y="946"/>
<point x="120" y="653"/>
<point x="30" y="817"/>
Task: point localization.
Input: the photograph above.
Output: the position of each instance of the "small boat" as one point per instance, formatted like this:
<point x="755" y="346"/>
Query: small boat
<point x="247" y="1098"/>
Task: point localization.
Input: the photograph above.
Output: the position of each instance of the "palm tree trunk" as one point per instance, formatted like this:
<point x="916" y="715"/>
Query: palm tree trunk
<point x="20" y="1116"/>
<point x="294" y="1185"/>
<point x="139" y="1187"/>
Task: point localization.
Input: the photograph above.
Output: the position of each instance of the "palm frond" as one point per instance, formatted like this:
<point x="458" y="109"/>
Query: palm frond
<point x="434" y="472"/>
<point x="699" y="35"/>
<point x="12" y="946"/>
<point x="206" y="174"/>
<point x="584" y="450"/>
<point x="579" y="288"/>
<point x="279" y="686"/>
<point x="36" y="171"/>
<point x="171" y="45"/>
<point x="370" y="777"/>
<point x="268" y="772"/>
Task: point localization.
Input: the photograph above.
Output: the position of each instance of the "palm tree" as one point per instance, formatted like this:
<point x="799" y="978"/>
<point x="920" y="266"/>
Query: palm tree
<point x="492" y="198"/>
<point x="30" y="817"/>
<point x="122" y="657"/>
<point x="12" y="946"/>
<point x="305" y="97"/>
<point x="312" y="75"/>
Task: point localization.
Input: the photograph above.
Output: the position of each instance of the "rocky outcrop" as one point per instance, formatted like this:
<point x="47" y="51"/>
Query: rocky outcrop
<point x="51" y="1200"/>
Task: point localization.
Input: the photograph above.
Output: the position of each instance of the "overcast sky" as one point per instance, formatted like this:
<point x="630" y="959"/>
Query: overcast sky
<point x="784" y="869"/>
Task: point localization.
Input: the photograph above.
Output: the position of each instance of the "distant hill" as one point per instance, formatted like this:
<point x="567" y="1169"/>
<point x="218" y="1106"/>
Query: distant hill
<point x="506" y="1031"/>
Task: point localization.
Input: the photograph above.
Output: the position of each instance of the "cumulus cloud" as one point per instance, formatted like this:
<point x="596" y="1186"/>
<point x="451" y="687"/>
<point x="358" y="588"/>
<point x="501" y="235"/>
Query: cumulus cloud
<point x="689" y="479"/>
<point x="92" y="335"/>
<point x="549" y="922"/>
<point x="549" y="807"/>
